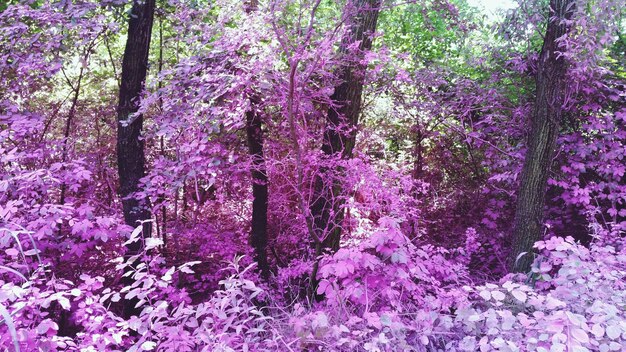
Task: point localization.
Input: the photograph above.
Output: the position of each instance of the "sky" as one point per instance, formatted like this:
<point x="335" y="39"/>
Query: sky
<point x="492" y="6"/>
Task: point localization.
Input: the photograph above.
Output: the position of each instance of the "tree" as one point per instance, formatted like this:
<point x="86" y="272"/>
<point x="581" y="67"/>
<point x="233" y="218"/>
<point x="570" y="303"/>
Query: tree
<point x="342" y="121"/>
<point x="551" y="90"/>
<point x="258" y="232"/>
<point x="254" y="133"/>
<point x="130" y="146"/>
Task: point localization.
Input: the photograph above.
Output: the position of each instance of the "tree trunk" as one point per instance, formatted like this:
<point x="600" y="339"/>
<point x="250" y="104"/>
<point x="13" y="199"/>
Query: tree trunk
<point x="258" y="233"/>
<point x="254" y="133"/>
<point x="342" y="121"/>
<point x="130" y="146"/>
<point x="418" y="163"/>
<point x="551" y="88"/>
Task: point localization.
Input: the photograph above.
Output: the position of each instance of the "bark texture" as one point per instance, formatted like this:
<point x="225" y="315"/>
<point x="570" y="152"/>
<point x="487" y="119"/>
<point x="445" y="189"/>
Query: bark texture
<point x="342" y="121"/>
<point x="254" y="134"/>
<point x="130" y="145"/>
<point x="258" y="232"/>
<point x="551" y="89"/>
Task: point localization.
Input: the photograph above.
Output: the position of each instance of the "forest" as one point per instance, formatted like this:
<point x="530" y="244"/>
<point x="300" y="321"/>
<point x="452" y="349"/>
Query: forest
<point x="313" y="175"/>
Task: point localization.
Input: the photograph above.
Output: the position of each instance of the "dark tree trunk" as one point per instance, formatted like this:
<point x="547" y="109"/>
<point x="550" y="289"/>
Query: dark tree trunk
<point x="254" y="133"/>
<point x="258" y="233"/>
<point x="551" y="90"/>
<point x="342" y="121"/>
<point x="418" y="163"/>
<point x="130" y="145"/>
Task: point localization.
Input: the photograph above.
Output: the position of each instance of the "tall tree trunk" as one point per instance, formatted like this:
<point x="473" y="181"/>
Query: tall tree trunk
<point x="546" y="122"/>
<point x="258" y="233"/>
<point x="341" y="122"/>
<point x="254" y="133"/>
<point x="130" y="146"/>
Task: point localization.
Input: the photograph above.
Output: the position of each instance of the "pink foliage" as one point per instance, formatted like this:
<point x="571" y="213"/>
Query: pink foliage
<point x="427" y="198"/>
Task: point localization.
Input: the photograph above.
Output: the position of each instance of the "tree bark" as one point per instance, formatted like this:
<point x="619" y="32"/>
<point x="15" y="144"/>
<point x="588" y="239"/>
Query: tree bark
<point x="130" y="146"/>
<point x="254" y="134"/>
<point x="551" y="88"/>
<point x="418" y="163"/>
<point x="258" y="233"/>
<point x="341" y="122"/>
